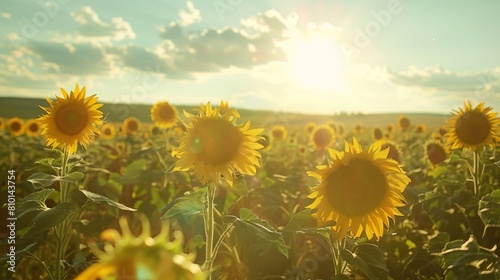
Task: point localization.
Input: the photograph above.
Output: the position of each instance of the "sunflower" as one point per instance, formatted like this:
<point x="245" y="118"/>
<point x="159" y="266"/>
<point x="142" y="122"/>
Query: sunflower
<point x="310" y="127"/>
<point x="71" y="119"/>
<point x="404" y="123"/>
<point x="322" y="137"/>
<point x="390" y="128"/>
<point x="377" y="134"/>
<point x="223" y="108"/>
<point x="421" y="128"/>
<point x="393" y="151"/>
<point x="279" y="133"/>
<point x="163" y="114"/>
<point x="215" y="145"/>
<point x="2" y="124"/>
<point x="15" y="126"/>
<point x="472" y="128"/>
<point x="126" y="256"/>
<point x="32" y="128"/>
<point x="358" y="128"/>
<point x="436" y="152"/>
<point x="131" y="125"/>
<point x="108" y="131"/>
<point x="265" y="141"/>
<point x="443" y="130"/>
<point x="359" y="190"/>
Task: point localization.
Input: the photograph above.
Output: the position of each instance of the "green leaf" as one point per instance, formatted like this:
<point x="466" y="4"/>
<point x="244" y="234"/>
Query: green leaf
<point x="249" y="223"/>
<point x="97" y="198"/>
<point x="437" y="242"/>
<point x="133" y="172"/>
<point x="239" y="186"/>
<point x="40" y="195"/>
<point x="374" y="258"/>
<point x="304" y="222"/>
<point x="50" y="218"/>
<point x="489" y="210"/>
<point x="356" y="261"/>
<point x="190" y="204"/>
<point x="42" y="180"/>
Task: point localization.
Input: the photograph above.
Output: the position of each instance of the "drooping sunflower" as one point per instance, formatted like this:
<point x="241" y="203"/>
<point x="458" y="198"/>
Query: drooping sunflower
<point x="359" y="190"/>
<point x="472" y="128"/>
<point x="163" y="114"/>
<point x="322" y="137"/>
<point x="32" y="128"/>
<point x="279" y="133"/>
<point x="127" y="256"/>
<point x="435" y="151"/>
<point x="131" y="125"/>
<point x="404" y="123"/>
<point x="215" y="145"/>
<point x="15" y="126"/>
<point x="108" y="131"/>
<point x="71" y="119"/>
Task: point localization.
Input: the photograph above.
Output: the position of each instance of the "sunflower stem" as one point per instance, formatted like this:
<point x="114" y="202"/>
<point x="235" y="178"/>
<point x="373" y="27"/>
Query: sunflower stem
<point x="476" y="169"/>
<point x="61" y="229"/>
<point x="209" y="231"/>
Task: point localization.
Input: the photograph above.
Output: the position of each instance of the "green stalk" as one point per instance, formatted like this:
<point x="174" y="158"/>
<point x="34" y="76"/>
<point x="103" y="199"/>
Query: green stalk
<point x="475" y="174"/>
<point x="209" y="230"/>
<point x="62" y="228"/>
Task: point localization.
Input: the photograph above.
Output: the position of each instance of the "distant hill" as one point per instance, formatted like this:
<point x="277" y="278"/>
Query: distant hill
<point x="27" y="108"/>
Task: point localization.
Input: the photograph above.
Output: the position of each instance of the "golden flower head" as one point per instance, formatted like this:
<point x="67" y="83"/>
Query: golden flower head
<point x="279" y="133"/>
<point x="322" y="137"/>
<point x="215" y="145"/>
<point x="421" y="128"/>
<point x="32" y="128"/>
<point x="359" y="190"/>
<point x="163" y="114"/>
<point x="265" y="141"/>
<point x="393" y="150"/>
<point x="472" y="128"/>
<point x="71" y="119"/>
<point x="131" y="125"/>
<point x="127" y="256"/>
<point x="108" y="131"/>
<point x="15" y="126"/>
<point x="310" y="127"/>
<point x="377" y="134"/>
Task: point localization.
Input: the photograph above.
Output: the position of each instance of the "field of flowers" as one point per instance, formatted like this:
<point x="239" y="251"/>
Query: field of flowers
<point x="205" y="194"/>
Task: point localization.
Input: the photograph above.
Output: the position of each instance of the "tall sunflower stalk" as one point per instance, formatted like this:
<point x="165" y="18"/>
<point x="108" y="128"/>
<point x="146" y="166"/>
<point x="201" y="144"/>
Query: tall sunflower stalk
<point x="69" y="120"/>
<point x="215" y="147"/>
<point x="472" y="129"/>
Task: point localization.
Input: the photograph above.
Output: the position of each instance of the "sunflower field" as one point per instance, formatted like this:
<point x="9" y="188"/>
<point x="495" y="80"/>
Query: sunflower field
<point x="208" y="194"/>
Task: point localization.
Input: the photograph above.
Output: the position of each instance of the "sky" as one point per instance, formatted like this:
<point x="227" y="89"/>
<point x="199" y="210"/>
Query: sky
<point x="309" y="56"/>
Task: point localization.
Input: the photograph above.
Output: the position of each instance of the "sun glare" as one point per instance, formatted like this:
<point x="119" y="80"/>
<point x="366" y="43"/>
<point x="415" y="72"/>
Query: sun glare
<point x="317" y="63"/>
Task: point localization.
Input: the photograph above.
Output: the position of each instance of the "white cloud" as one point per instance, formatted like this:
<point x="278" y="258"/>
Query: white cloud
<point x="190" y="16"/>
<point x="90" y="26"/>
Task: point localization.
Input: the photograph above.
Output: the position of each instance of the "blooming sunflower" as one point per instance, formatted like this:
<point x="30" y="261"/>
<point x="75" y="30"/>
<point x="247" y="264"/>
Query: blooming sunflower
<point x="265" y="141"/>
<point x="32" y="128"/>
<point x="436" y="152"/>
<point x="163" y="114"/>
<point x="322" y="137"/>
<point x="472" y="128"/>
<point x="71" y="119"/>
<point x="421" y="128"/>
<point x="131" y="125"/>
<point x="310" y="127"/>
<point x="279" y="133"/>
<point x="393" y="150"/>
<point x="108" y="131"/>
<point x="359" y="190"/>
<point x="404" y="123"/>
<point x="126" y="256"/>
<point x="15" y="126"/>
<point x="215" y="145"/>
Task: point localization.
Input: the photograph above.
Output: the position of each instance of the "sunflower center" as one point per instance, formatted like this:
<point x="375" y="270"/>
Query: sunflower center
<point x="33" y="127"/>
<point x="15" y="126"/>
<point x="216" y="141"/>
<point x="278" y="134"/>
<point x="132" y="126"/>
<point x="166" y="113"/>
<point x="322" y="138"/>
<point x="356" y="188"/>
<point x="71" y="118"/>
<point x="472" y="127"/>
<point x="435" y="153"/>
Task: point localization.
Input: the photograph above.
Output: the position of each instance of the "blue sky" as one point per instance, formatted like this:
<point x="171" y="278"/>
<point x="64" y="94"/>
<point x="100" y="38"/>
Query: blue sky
<point x="295" y="56"/>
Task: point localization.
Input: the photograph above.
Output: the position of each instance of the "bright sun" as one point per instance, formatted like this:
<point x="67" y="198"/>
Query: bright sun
<point x="317" y="62"/>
